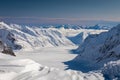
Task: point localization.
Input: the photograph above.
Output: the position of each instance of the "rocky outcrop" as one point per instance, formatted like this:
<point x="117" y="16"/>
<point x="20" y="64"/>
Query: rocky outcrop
<point x="9" y="51"/>
<point x="6" y="50"/>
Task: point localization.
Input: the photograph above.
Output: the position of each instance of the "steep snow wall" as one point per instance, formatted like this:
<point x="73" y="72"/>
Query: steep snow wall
<point x="99" y="49"/>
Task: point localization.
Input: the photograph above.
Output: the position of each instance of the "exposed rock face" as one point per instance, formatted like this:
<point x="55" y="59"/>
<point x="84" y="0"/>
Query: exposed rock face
<point x="8" y="50"/>
<point x="1" y="46"/>
<point x="5" y="49"/>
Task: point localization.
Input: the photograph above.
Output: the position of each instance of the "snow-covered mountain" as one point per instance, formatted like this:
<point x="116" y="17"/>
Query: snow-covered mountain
<point x="8" y="38"/>
<point x="98" y="49"/>
<point x="99" y="27"/>
<point x="25" y="37"/>
<point x="76" y="27"/>
<point x="65" y="26"/>
<point x="79" y="38"/>
<point x="69" y="26"/>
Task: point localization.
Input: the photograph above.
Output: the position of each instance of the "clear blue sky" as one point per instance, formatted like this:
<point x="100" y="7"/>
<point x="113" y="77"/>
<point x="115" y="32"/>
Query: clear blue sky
<point x="59" y="11"/>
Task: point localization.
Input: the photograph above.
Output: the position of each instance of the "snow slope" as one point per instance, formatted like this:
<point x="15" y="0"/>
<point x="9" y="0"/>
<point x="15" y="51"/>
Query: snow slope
<point x="44" y="46"/>
<point x="25" y="37"/>
<point x="78" y="36"/>
<point x="99" y="49"/>
<point x="25" y="69"/>
<point x="8" y="39"/>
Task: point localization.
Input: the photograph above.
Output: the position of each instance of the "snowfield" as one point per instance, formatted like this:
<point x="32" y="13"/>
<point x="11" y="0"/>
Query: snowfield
<point x="14" y="68"/>
<point x="42" y="53"/>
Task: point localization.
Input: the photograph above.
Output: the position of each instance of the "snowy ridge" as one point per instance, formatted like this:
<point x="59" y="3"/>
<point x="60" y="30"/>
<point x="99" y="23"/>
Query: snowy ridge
<point x="37" y="37"/>
<point x="8" y="39"/>
<point x="56" y="44"/>
<point x="78" y="36"/>
<point x="25" y="37"/>
<point x="26" y="69"/>
<point x="99" y="49"/>
<point x="101" y="43"/>
<point x="76" y="27"/>
<point x="99" y="27"/>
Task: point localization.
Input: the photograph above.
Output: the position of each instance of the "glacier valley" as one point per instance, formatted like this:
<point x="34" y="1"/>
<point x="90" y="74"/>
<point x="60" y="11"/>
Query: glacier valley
<point x="38" y="53"/>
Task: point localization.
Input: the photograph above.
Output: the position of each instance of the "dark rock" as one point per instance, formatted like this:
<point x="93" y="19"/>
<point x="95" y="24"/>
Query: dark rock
<point x="8" y="50"/>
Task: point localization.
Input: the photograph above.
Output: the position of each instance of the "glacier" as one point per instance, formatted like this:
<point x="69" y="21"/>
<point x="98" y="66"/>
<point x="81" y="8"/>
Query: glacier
<point x="42" y="53"/>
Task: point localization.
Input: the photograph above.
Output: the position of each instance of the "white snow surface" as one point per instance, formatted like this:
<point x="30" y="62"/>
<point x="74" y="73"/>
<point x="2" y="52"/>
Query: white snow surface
<point x="101" y="45"/>
<point x="27" y="38"/>
<point x="98" y="50"/>
<point x="12" y="68"/>
<point x="31" y="37"/>
<point x="41" y="52"/>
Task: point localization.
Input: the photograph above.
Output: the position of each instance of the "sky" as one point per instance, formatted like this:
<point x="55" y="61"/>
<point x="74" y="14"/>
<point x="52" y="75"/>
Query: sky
<point x="59" y="11"/>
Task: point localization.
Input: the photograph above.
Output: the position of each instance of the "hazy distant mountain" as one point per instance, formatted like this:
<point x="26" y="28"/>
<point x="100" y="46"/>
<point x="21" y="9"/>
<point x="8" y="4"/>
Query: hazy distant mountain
<point x="69" y="26"/>
<point x="99" y="27"/>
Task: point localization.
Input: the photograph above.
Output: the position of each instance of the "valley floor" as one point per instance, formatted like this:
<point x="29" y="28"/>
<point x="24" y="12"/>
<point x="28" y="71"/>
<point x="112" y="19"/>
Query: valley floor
<point x="42" y="64"/>
<point x="51" y="57"/>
